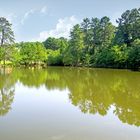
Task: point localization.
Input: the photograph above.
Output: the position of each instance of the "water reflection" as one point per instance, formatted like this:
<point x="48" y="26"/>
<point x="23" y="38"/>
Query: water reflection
<point x="6" y="91"/>
<point x="91" y="90"/>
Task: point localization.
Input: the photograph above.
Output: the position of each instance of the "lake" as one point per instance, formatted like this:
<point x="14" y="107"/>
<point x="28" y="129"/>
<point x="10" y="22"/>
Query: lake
<point x="61" y="103"/>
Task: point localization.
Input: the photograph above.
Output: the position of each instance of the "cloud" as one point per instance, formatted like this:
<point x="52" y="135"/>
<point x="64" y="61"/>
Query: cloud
<point x="27" y="15"/>
<point x="43" y="10"/>
<point x="62" y="29"/>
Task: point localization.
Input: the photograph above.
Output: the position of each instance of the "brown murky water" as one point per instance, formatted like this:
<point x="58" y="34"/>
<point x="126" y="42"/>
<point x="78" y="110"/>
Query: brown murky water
<point x="69" y="104"/>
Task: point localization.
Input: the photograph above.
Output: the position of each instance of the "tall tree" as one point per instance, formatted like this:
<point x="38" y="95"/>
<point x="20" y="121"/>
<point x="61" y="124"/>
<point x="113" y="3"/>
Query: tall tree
<point x="95" y="26"/>
<point x="6" y="36"/>
<point x="128" y="27"/>
<point x="85" y="26"/>
<point x="6" y="33"/>
<point x="75" y="48"/>
<point x="102" y="31"/>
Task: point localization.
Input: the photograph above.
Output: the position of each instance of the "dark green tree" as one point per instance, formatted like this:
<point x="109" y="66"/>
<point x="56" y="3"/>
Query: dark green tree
<point x="102" y="32"/>
<point x="128" y="27"/>
<point x="51" y="43"/>
<point x="134" y="55"/>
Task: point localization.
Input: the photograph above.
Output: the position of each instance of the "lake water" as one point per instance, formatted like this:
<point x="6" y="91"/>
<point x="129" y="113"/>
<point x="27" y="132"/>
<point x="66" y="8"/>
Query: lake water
<point x="69" y="104"/>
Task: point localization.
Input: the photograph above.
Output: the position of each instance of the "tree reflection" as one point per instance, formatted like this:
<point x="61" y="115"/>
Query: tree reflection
<point x="6" y="100"/>
<point x="32" y="77"/>
<point x="95" y="91"/>
<point x="91" y="90"/>
<point x="6" y="91"/>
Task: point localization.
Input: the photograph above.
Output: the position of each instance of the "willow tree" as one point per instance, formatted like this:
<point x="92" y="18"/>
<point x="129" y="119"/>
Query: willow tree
<point x="6" y="36"/>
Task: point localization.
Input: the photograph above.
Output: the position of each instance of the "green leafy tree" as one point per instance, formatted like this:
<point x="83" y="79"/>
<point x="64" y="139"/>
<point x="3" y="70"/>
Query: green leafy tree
<point x="102" y="31"/>
<point x="32" y="53"/>
<point x="16" y="57"/>
<point x="54" y="57"/>
<point x="134" y="55"/>
<point x="120" y="56"/>
<point x="103" y="58"/>
<point x="76" y="46"/>
<point x="51" y="43"/>
<point x="85" y="26"/>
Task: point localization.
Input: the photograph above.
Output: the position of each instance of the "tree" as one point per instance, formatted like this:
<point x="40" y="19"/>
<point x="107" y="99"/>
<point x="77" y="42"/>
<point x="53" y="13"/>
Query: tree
<point x="54" y="57"/>
<point x="51" y="43"/>
<point x="55" y="50"/>
<point x="102" y="32"/>
<point x="107" y="31"/>
<point x="134" y="55"/>
<point x="6" y="35"/>
<point x="76" y="46"/>
<point x="32" y="53"/>
<point x="103" y="58"/>
<point x="63" y="44"/>
<point x="85" y="26"/>
<point x="128" y="27"/>
<point x="15" y="57"/>
<point x="120" y="56"/>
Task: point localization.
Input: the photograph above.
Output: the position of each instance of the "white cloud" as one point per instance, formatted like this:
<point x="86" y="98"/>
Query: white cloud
<point x="26" y="15"/>
<point x="62" y="29"/>
<point x="43" y="10"/>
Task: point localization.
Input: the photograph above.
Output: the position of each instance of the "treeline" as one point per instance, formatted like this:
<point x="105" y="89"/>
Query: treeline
<point x="93" y="43"/>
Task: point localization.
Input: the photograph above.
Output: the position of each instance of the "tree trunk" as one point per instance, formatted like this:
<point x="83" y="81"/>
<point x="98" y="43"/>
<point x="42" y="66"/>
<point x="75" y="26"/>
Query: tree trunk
<point x="2" y="38"/>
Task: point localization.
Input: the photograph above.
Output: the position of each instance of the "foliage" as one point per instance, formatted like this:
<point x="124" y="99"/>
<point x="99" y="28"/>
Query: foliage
<point x="51" y="43"/>
<point x="128" y="27"/>
<point x="32" y="53"/>
<point x="55" y="44"/>
<point x="103" y="58"/>
<point x="120" y="56"/>
<point x="54" y="57"/>
<point x="75" y="47"/>
<point x="134" y="55"/>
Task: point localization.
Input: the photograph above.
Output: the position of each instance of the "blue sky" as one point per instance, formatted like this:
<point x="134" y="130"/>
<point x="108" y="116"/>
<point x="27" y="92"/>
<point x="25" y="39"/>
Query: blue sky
<point x="35" y="20"/>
